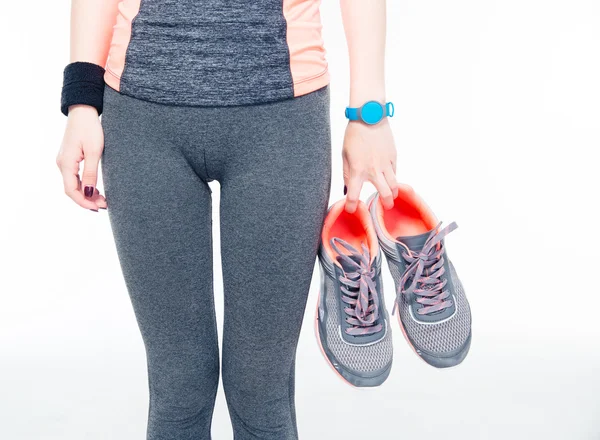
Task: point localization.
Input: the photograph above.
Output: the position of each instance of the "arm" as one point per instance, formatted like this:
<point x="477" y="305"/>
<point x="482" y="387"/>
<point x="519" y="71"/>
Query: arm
<point x="369" y="153"/>
<point x="92" y="24"/>
<point x="91" y="31"/>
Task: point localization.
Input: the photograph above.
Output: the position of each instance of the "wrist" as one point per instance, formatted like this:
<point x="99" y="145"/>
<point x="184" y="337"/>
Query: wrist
<point x="357" y="101"/>
<point x="366" y="91"/>
<point x="84" y="110"/>
<point x="370" y="127"/>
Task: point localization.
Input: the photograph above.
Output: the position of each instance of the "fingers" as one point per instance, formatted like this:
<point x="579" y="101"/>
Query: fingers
<point x="73" y="190"/>
<point x="69" y="168"/>
<point x="385" y="193"/>
<point x="390" y="178"/>
<point x="90" y="174"/>
<point x="354" y="185"/>
<point x="81" y="191"/>
<point x="99" y="199"/>
<point x="385" y="183"/>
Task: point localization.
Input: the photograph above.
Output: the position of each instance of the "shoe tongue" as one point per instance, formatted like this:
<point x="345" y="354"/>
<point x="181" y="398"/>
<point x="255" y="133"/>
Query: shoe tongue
<point x="348" y="267"/>
<point x="414" y="242"/>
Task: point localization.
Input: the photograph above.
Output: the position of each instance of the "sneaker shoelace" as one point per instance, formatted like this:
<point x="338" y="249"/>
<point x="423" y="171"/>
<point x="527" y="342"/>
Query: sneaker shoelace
<point x="425" y="269"/>
<point x="358" y="288"/>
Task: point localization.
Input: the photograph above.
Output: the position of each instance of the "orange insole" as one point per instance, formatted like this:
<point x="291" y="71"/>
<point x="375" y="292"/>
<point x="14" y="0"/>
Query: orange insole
<point x="349" y="228"/>
<point x="404" y="219"/>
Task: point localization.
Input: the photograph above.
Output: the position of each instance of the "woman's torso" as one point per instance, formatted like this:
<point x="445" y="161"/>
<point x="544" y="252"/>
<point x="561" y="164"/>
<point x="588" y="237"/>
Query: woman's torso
<point x="217" y="52"/>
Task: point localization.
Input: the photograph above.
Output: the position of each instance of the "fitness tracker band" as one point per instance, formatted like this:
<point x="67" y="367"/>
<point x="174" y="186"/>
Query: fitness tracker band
<point x="370" y="113"/>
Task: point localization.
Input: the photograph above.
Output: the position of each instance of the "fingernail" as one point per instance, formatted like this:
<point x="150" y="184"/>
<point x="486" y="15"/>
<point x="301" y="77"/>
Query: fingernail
<point x="345" y="189"/>
<point x="95" y="210"/>
<point x="88" y="191"/>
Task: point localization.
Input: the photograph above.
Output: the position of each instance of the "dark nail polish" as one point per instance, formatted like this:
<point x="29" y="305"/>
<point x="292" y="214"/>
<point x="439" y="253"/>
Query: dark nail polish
<point x="345" y="189"/>
<point x="88" y="191"/>
<point x="95" y="210"/>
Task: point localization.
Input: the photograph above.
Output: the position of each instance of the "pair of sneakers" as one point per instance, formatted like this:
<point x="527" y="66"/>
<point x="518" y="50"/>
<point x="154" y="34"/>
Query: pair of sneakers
<point x="352" y="323"/>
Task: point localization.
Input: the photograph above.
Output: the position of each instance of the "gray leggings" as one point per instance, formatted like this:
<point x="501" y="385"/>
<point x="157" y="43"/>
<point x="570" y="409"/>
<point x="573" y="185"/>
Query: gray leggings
<point x="273" y="162"/>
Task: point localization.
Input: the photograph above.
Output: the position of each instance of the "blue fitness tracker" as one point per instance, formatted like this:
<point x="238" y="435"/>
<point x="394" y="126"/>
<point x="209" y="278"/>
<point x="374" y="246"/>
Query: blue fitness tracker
<point x="370" y="113"/>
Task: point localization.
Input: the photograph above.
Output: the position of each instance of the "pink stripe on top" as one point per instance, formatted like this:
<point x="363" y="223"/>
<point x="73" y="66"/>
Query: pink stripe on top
<point x="307" y="53"/>
<point x="128" y="9"/>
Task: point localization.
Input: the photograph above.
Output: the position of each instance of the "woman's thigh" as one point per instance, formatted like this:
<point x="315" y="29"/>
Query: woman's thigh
<point x="160" y="214"/>
<point x="275" y="180"/>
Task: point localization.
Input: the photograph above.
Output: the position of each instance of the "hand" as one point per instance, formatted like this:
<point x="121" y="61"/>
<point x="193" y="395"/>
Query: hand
<point x="83" y="140"/>
<point x="369" y="154"/>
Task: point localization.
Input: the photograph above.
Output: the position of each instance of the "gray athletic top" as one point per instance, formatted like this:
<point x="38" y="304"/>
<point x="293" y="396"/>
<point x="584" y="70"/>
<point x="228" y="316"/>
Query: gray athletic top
<point x="217" y="52"/>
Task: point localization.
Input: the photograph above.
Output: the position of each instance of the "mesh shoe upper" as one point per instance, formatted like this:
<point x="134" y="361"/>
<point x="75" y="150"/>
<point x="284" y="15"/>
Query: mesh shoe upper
<point x="352" y="321"/>
<point x="443" y="337"/>
<point x="361" y="358"/>
<point x="431" y="301"/>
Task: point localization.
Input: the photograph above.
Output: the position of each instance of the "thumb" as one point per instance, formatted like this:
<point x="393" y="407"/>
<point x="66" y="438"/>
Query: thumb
<point x="89" y="177"/>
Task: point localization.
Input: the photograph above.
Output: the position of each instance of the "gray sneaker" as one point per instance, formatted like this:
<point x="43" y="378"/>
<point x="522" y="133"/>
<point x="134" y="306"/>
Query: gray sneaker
<point x="352" y="324"/>
<point x="434" y="313"/>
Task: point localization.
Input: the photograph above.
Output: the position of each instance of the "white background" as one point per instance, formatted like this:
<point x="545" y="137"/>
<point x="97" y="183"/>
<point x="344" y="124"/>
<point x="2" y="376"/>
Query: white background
<point x="497" y="127"/>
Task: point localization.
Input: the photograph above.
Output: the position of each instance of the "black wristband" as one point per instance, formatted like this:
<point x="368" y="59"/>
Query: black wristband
<point x="83" y="83"/>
